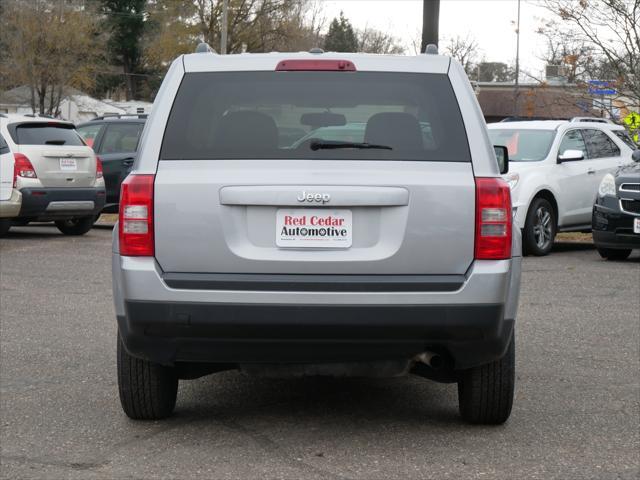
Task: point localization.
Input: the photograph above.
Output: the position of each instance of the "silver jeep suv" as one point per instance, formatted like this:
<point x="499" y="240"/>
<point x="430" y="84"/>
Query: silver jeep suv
<point x="388" y="250"/>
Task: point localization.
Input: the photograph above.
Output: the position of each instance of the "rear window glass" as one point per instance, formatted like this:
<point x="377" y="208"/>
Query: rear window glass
<point x="524" y="145"/>
<point x="45" y="134"/>
<point x="315" y="115"/>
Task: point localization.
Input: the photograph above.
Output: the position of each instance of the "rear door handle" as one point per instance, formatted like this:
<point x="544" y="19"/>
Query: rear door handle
<point x="591" y="171"/>
<point x="127" y="162"/>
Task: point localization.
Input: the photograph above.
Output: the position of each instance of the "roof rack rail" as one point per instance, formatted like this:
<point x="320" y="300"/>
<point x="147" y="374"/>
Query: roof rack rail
<point x="591" y="119"/>
<point x="204" y="47"/>
<point x="38" y="115"/>
<point x="121" y="115"/>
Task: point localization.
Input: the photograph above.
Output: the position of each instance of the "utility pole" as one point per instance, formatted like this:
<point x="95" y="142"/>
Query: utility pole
<point x="430" y="22"/>
<point x="223" y="34"/>
<point x="516" y="93"/>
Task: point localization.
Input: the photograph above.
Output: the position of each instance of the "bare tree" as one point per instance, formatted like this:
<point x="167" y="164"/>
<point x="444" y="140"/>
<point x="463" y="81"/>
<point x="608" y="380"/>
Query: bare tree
<point x="464" y="50"/>
<point x="609" y="29"/>
<point x="371" y="40"/>
<point x="49" y="58"/>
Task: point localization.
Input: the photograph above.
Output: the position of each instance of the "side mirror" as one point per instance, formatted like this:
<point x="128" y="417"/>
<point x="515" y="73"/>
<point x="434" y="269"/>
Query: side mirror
<point x="571" y="156"/>
<point x="502" y="155"/>
<point x="635" y="156"/>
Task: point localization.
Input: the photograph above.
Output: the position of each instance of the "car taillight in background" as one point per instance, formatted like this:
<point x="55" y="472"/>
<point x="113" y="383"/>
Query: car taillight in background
<point x="22" y="168"/>
<point x="135" y="225"/>
<point x="99" y="173"/>
<point x="493" y="219"/>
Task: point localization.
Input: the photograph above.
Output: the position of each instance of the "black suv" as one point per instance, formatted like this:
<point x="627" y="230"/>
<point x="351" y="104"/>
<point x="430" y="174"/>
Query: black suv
<point x="115" y="140"/>
<point x="616" y="212"/>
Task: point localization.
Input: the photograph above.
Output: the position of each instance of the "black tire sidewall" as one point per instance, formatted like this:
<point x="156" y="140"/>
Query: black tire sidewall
<point x="529" y="242"/>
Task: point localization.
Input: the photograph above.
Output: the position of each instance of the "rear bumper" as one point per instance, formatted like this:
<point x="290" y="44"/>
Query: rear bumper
<point x="11" y="207"/>
<point x="255" y="333"/>
<point x="472" y="324"/>
<point x="613" y="228"/>
<point x="52" y="203"/>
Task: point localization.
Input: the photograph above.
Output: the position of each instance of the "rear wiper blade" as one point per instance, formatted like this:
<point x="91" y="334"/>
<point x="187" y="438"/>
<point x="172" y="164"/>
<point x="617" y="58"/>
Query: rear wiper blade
<point x="332" y="144"/>
<point x="55" y="142"/>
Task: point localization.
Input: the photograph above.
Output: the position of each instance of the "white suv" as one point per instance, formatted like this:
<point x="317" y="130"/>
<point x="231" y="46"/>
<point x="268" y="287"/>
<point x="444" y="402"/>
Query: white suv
<point x="555" y="169"/>
<point x="58" y="176"/>
<point x="10" y="198"/>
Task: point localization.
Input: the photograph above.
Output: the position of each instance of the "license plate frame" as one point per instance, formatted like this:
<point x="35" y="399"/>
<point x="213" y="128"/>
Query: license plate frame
<point x="68" y="165"/>
<point x="314" y="228"/>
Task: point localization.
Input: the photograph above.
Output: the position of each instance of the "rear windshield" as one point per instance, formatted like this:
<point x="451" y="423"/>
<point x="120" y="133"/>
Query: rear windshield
<point x="315" y="115"/>
<point x="524" y="145"/>
<point x="42" y="133"/>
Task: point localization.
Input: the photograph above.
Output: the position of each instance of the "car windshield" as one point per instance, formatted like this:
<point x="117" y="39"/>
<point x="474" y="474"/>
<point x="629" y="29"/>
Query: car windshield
<point x="282" y="115"/>
<point x="524" y="145"/>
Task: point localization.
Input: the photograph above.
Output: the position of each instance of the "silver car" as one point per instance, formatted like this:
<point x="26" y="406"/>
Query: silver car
<point x="239" y="247"/>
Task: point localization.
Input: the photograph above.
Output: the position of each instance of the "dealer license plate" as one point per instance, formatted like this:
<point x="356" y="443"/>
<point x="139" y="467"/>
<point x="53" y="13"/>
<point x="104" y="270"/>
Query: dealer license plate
<point x="68" y="164"/>
<point x="313" y="228"/>
<point x="636" y="225"/>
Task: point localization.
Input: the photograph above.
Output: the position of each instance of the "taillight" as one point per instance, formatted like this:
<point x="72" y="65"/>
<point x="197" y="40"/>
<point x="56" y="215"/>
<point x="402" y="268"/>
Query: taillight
<point x="493" y="219"/>
<point x="99" y="173"/>
<point x="135" y="225"/>
<point x="22" y="168"/>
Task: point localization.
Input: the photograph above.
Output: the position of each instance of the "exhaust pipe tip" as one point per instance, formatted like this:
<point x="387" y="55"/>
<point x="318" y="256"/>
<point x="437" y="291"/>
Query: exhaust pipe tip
<point x="431" y="359"/>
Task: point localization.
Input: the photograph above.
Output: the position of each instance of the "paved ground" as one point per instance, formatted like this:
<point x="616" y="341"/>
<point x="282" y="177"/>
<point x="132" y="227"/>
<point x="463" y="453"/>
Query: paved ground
<point x="576" y="414"/>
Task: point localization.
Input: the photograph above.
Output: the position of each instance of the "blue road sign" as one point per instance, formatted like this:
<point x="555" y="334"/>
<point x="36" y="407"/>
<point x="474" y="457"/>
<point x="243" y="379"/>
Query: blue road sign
<point x="601" y="87"/>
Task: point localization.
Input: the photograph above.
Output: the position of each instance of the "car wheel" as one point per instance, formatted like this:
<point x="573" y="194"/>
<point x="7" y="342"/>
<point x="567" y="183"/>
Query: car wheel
<point x="147" y="390"/>
<point x="76" y="226"/>
<point x="485" y="393"/>
<point x="614" y="254"/>
<point x="539" y="228"/>
<point x="5" y="225"/>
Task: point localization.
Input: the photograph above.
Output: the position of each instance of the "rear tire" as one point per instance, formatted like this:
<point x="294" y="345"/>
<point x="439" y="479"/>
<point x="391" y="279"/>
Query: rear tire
<point x="76" y="226"/>
<point x="614" y="254"/>
<point x="485" y="393"/>
<point x="540" y="228"/>
<point x="5" y="225"/>
<point x="148" y="390"/>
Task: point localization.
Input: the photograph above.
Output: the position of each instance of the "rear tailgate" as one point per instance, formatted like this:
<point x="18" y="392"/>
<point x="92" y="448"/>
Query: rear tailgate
<point x="58" y="155"/>
<point x="407" y="218"/>
<point x="236" y="192"/>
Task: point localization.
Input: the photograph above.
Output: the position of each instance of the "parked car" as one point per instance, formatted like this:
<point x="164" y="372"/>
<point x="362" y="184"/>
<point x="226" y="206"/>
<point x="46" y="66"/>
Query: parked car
<point x="10" y="197"/>
<point x="616" y="212"/>
<point x="115" y="140"/>
<point x="57" y="175"/>
<point x="378" y="257"/>
<point x="555" y="170"/>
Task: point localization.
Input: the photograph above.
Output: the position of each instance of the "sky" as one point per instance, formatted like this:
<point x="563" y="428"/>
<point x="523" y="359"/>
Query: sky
<point x="488" y="21"/>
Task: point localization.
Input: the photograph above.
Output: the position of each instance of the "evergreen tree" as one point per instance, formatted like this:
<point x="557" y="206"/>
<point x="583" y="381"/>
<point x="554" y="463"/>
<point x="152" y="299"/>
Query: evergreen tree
<point x="125" y="20"/>
<point x="341" y="36"/>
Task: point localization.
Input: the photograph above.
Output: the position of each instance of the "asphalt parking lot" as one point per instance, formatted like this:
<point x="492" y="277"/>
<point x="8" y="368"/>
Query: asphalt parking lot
<point x="576" y="413"/>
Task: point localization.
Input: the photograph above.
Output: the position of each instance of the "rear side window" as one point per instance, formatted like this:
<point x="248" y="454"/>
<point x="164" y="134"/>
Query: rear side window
<point x="315" y="115"/>
<point x="599" y="144"/>
<point x="41" y="133"/>
<point x="4" y="148"/>
<point x="89" y="133"/>
<point x="121" y="138"/>
<point x="626" y="138"/>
